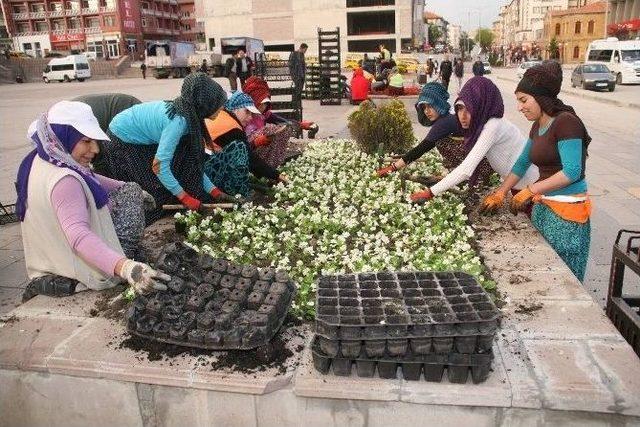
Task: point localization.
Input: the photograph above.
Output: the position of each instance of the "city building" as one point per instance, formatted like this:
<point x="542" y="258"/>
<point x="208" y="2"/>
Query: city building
<point x="190" y="29"/>
<point x="109" y="28"/>
<point x="573" y="30"/>
<point x="5" y="40"/>
<point x="624" y="16"/>
<point x="431" y="18"/>
<point x="284" y="24"/>
<point x="453" y="35"/>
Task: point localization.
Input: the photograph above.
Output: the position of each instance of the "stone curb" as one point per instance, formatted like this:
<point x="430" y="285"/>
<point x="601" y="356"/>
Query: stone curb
<point x="635" y="105"/>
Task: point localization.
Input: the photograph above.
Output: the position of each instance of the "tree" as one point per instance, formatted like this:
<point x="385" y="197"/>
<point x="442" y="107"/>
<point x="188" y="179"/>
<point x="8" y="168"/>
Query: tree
<point x="434" y="34"/>
<point x="484" y="37"/>
<point x="554" y="49"/>
<point x="466" y="43"/>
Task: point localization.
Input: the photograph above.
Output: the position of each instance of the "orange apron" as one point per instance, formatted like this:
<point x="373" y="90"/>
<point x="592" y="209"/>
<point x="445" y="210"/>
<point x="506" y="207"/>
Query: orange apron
<point x="576" y="211"/>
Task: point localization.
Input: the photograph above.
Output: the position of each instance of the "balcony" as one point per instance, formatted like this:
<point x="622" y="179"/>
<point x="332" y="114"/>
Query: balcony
<point x="147" y="12"/>
<point x="20" y="16"/>
<point x="72" y="12"/>
<point x="92" y="30"/>
<point x="37" y="15"/>
<point x="32" y="33"/>
<point x="173" y="2"/>
<point x="75" y="31"/>
<point x="104" y="9"/>
<point x="89" y="10"/>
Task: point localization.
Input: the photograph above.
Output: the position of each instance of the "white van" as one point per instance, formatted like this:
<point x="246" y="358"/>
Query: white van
<point x="622" y="58"/>
<point x="72" y="67"/>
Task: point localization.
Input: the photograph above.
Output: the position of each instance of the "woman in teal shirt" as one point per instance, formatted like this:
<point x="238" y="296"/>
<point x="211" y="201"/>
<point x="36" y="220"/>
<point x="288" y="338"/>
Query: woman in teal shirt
<point x="557" y="144"/>
<point x="159" y="145"/>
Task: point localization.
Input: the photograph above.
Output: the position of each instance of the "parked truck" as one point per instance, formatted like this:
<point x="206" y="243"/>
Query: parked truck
<point x="230" y="45"/>
<point x="214" y="62"/>
<point x="167" y="58"/>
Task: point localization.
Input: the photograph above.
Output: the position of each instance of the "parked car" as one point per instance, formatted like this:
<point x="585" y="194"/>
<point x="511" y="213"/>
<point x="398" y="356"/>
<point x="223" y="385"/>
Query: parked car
<point x="524" y="66"/>
<point x="593" y="76"/>
<point x="487" y="67"/>
<point x="72" y="67"/>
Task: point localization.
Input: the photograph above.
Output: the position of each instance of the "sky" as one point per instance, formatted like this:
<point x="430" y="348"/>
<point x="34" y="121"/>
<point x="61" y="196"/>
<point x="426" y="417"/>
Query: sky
<point x="457" y="11"/>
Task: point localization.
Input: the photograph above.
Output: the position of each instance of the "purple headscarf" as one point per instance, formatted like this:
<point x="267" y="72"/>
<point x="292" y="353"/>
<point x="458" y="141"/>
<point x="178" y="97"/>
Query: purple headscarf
<point x="54" y="144"/>
<point x="483" y="101"/>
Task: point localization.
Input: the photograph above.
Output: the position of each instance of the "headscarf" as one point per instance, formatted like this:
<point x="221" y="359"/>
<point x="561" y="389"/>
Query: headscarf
<point x="544" y="82"/>
<point x="433" y="94"/>
<point x="257" y="89"/>
<point x="199" y="98"/>
<point x="482" y="98"/>
<point x="54" y="144"/>
<point x="240" y="100"/>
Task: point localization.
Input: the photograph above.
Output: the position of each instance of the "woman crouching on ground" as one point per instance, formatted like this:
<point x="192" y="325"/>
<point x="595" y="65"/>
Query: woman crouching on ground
<point x="445" y="133"/>
<point x="557" y="144"/>
<point x="79" y="229"/>
<point x="232" y="158"/>
<point x="487" y="133"/>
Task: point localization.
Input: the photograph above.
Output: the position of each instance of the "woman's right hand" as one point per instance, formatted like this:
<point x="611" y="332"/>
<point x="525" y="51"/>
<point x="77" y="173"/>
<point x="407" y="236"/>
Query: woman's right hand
<point x="189" y="201"/>
<point x="141" y="277"/>
<point x="386" y="170"/>
<point x="492" y="203"/>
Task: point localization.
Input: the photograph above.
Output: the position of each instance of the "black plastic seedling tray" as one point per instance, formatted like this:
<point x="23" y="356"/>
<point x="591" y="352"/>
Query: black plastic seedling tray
<point x="212" y="303"/>
<point x="413" y="367"/>
<point x="404" y="305"/>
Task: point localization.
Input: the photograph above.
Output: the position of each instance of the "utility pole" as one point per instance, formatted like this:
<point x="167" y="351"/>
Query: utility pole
<point x="606" y="18"/>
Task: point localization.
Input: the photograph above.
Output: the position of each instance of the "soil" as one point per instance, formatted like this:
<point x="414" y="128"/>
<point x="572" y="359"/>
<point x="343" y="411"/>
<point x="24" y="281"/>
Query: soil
<point x="104" y="308"/>
<point x="278" y="355"/>
<point x="517" y="279"/>
<point x="528" y="307"/>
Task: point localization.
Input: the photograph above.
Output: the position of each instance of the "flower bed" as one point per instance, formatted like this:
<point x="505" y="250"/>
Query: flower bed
<point x="335" y="216"/>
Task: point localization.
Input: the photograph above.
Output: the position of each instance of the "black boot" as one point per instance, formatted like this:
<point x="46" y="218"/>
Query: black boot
<point x="313" y="130"/>
<point x="50" y="285"/>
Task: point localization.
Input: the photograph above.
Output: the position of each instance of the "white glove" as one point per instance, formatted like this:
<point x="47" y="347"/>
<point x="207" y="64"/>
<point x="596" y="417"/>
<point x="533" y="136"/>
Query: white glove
<point x="143" y="278"/>
<point x="149" y="202"/>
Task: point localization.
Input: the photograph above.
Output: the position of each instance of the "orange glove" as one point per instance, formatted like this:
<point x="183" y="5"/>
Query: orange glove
<point x="189" y="202"/>
<point x="386" y="171"/>
<point x="261" y="140"/>
<point x="520" y="201"/>
<point x="492" y="203"/>
<point x="421" y="196"/>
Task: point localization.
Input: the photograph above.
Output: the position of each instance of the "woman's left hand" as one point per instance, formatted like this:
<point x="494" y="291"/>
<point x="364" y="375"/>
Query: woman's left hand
<point x="148" y="201"/>
<point x="422" y="196"/>
<point x="283" y="178"/>
<point x="520" y="201"/>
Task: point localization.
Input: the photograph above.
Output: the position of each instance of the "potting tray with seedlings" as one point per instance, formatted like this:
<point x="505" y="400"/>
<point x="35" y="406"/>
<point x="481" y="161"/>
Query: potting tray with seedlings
<point x="404" y="305"/>
<point x="412" y="365"/>
<point x="212" y="303"/>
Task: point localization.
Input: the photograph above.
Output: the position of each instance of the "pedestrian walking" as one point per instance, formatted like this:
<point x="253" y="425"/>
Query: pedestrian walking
<point x="487" y="133"/>
<point x="557" y="144"/>
<point x="143" y="69"/>
<point x="458" y="71"/>
<point x="204" y="67"/>
<point x="478" y="67"/>
<point x="244" y="66"/>
<point x="297" y="70"/>
<point x="446" y="69"/>
<point x="231" y="71"/>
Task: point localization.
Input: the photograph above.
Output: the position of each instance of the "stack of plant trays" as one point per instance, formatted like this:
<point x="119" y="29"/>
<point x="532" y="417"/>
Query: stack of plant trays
<point x="312" y="82"/>
<point x="329" y="57"/>
<point x="420" y="322"/>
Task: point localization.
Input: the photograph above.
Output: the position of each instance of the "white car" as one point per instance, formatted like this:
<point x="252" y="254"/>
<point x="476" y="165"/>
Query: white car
<point x="524" y="66"/>
<point x="487" y="67"/>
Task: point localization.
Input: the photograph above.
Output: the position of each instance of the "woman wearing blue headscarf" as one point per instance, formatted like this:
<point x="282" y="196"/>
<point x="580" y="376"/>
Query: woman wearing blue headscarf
<point x="67" y="212"/>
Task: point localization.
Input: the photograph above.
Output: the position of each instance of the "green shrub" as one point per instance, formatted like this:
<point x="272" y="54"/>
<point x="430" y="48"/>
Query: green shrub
<point x="382" y="129"/>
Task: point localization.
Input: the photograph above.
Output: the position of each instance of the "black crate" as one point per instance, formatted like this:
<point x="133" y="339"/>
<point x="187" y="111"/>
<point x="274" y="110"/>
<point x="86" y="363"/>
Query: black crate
<point x="390" y="305"/>
<point x="212" y="304"/>
<point x="412" y="367"/>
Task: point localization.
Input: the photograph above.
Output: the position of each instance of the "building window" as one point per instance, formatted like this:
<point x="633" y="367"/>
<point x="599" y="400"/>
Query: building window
<point x="590" y="27"/>
<point x="144" y="5"/>
<point x="57" y="24"/>
<point x="42" y="26"/>
<point x="19" y="8"/>
<point x="578" y="27"/>
<point x="38" y="7"/>
<point x="144" y="21"/>
<point x="23" y="28"/>
<point x="74" y="23"/>
<point x="109" y="21"/>
<point x="92" y="22"/>
<point x="55" y="6"/>
<point x="557" y="29"/>
<point x="576" y="52"/>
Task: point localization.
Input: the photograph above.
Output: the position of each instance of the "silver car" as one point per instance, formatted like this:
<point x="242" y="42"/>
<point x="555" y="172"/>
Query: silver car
<point x="593" y="76"/>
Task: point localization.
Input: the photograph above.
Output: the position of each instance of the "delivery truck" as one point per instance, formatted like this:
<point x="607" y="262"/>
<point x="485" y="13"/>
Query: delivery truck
<point x="166" y="58"/>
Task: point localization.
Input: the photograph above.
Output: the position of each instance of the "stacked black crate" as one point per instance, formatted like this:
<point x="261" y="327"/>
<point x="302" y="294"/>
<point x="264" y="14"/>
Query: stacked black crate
<point x="312" y="81"/>
<point x="329" y="57"/>
<point x="422" y="323"/>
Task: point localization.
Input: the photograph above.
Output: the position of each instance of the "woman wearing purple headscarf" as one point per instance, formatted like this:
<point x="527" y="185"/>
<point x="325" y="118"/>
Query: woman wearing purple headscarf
<point x="487" y="133"/>
<point x="68" y="212"/>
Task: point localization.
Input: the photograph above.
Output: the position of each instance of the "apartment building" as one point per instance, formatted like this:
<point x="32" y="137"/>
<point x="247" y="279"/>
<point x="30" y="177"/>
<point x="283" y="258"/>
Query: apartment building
<point x="624" y="14"/>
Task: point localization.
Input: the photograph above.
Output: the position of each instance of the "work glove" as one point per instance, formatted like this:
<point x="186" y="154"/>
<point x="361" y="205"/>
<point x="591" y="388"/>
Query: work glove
<point x="492" y="203"/>
<point x="142" y="278"/>
<point x="386" y="171"/>
<point x="261" y="140"/>
<point x="422" y="196"/>
<point x="148" y="201"/>
<point x="520" y="201"/>
<point x="220" y="196"/>
<point x="189" y="202"/>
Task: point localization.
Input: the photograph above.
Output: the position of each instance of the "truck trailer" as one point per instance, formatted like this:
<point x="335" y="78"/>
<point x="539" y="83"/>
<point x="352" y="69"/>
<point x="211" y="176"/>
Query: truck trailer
<point x="169" y="58"/>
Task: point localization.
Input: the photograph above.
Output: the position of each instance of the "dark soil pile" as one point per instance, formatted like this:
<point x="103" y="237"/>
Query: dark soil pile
<point x="105" y="308"/>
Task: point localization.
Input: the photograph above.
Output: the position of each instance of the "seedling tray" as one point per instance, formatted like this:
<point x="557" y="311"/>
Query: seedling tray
<point x="390" y="305"/>
<point x="413" y="367"/>
<point x="212" y="303"/>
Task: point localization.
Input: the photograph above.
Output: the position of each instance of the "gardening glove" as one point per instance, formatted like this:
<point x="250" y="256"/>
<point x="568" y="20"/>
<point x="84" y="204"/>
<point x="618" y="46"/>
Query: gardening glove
<point x="386" y="171"/>
<point x="142" y="278"/>
<point x="261" y="141"/>
<point x="189" y="202"/>
<point x="148" y="201"/>
<point x="421" y="196"/>
<point x="283" y="178"/>
<point x="492" y="203"/>
<point x="220" y="196"/>
<point x="520" y="201"/>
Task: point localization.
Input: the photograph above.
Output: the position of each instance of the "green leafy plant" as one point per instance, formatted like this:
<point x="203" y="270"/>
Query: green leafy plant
<point x="382" y="129"/>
